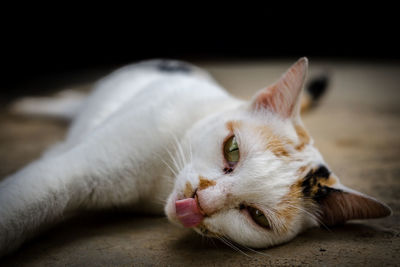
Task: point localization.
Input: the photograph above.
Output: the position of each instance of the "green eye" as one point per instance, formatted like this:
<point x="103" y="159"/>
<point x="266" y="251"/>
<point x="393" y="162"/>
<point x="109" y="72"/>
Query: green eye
<point x="258" y="217"/>
<point x="231" y="150"/>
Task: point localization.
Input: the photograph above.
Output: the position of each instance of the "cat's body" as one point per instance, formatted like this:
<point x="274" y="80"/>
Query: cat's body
<point x="158" y="130"/>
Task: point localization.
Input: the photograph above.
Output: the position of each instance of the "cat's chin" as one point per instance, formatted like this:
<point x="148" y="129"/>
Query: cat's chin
<point x="203" y="230"/>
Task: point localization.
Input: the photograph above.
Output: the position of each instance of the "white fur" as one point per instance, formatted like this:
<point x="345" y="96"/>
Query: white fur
<point x="66" y="104"/>
<point x="260" y="178"/>
<point x="138" y="128"/>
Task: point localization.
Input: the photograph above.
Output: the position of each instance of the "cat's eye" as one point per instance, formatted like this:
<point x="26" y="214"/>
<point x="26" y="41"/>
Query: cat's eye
<point x="231" y="151"/>
<point x="259" y="217"/>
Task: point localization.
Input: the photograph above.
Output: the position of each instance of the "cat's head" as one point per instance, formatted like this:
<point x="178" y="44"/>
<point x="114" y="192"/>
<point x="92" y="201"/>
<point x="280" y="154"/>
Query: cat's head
<point x="254" y="176"/>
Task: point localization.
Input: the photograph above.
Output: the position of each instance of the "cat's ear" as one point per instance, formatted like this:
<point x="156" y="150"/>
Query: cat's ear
<point x="339" y="204"/>
<point x="336" y="203"/>
<point x="283" y="97"/>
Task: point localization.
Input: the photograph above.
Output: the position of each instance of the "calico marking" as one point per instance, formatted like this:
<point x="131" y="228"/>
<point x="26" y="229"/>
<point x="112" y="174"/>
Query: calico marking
<point x="287" y="209"/>
<point x="205" y="183"/>
<point x="304" y="138"/>
<point x="302" y="169"/>
<point x="276" y="146"/>
<point x="316" y="183"/>
<point x="231" y="125"/>
<point x="188" y="190"/>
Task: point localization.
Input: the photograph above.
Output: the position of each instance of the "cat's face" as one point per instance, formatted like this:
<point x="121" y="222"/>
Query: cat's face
<point x="253" y="175"/>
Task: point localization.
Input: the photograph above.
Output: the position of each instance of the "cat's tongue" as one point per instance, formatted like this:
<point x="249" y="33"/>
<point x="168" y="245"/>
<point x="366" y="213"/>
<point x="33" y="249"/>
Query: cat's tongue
<point x="188" y="212"/>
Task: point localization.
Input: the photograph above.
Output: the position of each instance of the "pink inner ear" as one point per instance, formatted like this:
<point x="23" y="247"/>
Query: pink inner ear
<point x="273" y="99"/>
<point x="283" y="96"/>
<point x="339" y="206"/>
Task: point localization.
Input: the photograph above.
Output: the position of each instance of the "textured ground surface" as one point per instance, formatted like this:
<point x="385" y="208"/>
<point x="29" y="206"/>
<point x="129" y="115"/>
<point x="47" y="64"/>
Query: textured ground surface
<point x="356" y="128"/>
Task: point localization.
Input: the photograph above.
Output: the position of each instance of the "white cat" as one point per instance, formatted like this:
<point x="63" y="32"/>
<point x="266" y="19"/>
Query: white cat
<point x="166" y="131"/>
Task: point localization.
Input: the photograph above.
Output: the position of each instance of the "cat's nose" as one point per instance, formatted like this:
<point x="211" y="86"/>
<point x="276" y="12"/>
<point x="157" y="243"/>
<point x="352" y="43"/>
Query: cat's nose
<point x="188" y="212"/>
<point x="212" y="199"/>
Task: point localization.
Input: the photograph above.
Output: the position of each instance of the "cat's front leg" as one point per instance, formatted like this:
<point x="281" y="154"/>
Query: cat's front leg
<point x="49" y="189"/>
<point x="31" y="199"/>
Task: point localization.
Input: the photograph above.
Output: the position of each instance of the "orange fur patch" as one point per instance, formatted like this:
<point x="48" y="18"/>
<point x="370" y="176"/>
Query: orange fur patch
<point x="275" y="143"/>
<point x="302" y="133"/>
<point x="329" y="182"/>
<point x="302" y="170"/>
<point x="276" y="146"/>
<point x="322" y="182"/>
<point x="287" y="208"/>
<point x="205" y="183"/>
<point x="188" y="190"/>
<point x="304" y="138"/>
<point x="300" y="147"/>
<point x="231" y="125"/>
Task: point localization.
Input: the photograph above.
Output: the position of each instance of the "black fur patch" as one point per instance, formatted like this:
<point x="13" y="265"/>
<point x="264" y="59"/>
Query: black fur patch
<point x="322" y="172"/>
<point x="311" y="183"/>
<point x="174" y="66"/>
<point x="323" y="191"/>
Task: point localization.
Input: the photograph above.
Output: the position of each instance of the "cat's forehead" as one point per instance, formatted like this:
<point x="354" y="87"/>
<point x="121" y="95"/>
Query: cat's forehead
<point x="265" y="129"/>
<point x="270" y="129"/>
<point x="239" y="120"/>
<point x="284" y="138"/>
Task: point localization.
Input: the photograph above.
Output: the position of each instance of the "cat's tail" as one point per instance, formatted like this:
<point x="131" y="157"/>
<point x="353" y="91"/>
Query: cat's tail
<point x="314" y="91"/>
<point x="64" y="105"/>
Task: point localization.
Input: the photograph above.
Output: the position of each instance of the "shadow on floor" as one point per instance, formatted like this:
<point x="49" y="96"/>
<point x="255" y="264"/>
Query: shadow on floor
<point x="105" y="231"/>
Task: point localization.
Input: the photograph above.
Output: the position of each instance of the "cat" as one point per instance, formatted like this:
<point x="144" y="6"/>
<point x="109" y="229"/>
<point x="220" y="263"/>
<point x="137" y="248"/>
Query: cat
<point x="164" y="130"/>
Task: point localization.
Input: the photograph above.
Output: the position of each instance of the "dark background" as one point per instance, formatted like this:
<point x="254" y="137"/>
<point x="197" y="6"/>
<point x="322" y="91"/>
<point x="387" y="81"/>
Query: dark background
<point x="37" y="48"/>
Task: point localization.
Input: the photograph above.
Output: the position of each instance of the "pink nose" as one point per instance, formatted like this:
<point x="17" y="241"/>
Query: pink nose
<point x="188" y="212"/>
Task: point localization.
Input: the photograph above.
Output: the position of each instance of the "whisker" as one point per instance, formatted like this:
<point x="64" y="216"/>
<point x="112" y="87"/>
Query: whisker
<point x="190" y="151"/>
<point x="159" y="200"/>
<point x="179" y="152"/>
<point x="169" y="167"/>
<point x="175" y="168"/>
<point x="231" y="245"/>
<point x="169" y="179"/>
<point x="246" y="247"/>
<point x="174" y="161"/>
<point x="310" y="214"/>
<point x="182" y="154"/>
<point x="226" y="243"/>
<point x="255" y="251"/>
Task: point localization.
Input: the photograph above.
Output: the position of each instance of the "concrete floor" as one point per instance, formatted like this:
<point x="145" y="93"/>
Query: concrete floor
<point x="356" y="128"/>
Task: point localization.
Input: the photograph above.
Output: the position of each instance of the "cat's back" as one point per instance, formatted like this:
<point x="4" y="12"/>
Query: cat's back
<point x="148" y="85"/>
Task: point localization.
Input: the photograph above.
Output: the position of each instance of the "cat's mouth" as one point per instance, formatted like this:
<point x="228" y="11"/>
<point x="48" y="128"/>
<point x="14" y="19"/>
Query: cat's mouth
<point x="189" y="212"/>
<point x="190" y="215"/>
